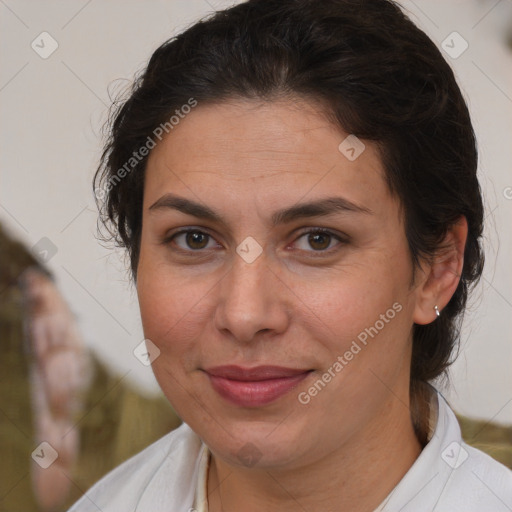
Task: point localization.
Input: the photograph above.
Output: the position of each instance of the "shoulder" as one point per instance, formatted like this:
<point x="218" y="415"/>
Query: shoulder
<point x="163" y="472"/>
<point x="479" y="483"/>
<point x="472" y="480"/>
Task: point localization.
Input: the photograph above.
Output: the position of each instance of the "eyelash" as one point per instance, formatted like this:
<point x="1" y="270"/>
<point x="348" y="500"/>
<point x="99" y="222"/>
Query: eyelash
<point x="314" y="231"/>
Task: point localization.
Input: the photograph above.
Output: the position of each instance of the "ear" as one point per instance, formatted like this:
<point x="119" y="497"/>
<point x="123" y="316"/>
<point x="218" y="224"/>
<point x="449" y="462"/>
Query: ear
<point x="438" y="280"/>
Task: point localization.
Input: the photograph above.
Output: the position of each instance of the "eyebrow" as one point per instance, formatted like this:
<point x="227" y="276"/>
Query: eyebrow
<point x="319" y="208"/>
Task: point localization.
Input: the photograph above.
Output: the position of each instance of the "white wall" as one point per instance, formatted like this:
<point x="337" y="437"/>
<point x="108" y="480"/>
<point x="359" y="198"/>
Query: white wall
<point x="52" y="109"/>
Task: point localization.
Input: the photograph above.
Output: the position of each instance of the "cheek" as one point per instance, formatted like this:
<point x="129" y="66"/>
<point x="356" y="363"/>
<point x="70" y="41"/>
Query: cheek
<point x="362" y="316"/>
<point x="347" y="302"/>
<point x="365" y="329"/>
<point x="168" y="323"/>
<point x="173" y="309"/>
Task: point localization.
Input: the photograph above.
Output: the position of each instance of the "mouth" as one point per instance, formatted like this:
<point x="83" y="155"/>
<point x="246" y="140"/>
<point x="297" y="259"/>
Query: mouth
<point x="254" y="387"/>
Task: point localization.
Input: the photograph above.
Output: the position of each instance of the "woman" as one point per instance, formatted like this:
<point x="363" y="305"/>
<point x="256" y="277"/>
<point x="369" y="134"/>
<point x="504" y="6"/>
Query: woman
<point x="295" y="183"/>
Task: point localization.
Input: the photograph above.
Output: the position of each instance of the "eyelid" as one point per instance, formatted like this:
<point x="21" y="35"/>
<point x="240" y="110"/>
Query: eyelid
<point x="327" y="231"/>
<point x="341" y="238"/>
<point x="168" y="238"/>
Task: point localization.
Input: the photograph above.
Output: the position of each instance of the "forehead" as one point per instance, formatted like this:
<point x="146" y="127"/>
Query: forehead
<point x="279" y="150"/>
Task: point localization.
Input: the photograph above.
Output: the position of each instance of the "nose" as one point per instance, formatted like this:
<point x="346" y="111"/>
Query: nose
<point x="251" y="300"/>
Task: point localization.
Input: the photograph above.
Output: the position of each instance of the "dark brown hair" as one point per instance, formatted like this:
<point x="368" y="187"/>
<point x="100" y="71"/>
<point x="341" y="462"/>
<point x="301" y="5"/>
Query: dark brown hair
<point x="378" y="76"/>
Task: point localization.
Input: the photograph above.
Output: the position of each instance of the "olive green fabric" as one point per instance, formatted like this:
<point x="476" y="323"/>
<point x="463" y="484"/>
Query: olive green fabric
<point x="496" y="440"/>
<point x="118" y="422"/>
<point x="16" y="432"/>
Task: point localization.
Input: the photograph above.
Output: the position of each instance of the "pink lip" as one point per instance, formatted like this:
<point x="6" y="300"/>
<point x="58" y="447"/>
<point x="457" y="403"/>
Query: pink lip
<point x="254" y="387"/>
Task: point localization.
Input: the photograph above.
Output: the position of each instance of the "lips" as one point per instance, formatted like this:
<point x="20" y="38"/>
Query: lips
<point x="254" y="387"/>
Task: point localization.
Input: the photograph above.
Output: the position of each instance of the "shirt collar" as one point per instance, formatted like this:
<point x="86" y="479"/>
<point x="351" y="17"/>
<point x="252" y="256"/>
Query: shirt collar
<point x="201" y="500"/>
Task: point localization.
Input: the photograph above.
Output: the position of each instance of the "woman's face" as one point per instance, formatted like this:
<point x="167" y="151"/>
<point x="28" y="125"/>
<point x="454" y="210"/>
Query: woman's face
<point x="253" y="285"/>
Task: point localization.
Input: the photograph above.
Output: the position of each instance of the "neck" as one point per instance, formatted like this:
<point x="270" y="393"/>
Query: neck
<point x="357" y="477"/>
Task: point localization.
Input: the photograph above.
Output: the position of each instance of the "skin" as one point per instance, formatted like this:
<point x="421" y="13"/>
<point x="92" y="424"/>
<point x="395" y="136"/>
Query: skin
<point x="203" y="305"/>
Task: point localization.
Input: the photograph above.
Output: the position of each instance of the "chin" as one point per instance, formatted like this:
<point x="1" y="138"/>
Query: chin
<point x="255" y="446"/>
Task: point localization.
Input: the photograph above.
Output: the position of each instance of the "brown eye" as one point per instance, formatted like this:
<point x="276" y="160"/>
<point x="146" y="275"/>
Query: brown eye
<point x="319" y="241"/>
<point x="196" y="239"/>
<point x="191" y="240"/>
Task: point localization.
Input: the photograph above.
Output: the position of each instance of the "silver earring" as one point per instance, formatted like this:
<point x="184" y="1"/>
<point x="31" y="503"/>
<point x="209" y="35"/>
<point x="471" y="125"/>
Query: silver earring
<point x="437" y="310"/>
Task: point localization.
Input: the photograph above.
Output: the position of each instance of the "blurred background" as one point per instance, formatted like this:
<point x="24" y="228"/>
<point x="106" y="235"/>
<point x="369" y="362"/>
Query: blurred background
<point x="62" y="61"/>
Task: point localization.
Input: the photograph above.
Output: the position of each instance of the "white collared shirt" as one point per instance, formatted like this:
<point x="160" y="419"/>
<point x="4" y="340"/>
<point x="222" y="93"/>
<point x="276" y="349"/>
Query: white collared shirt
<point x="171" y="476"/>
